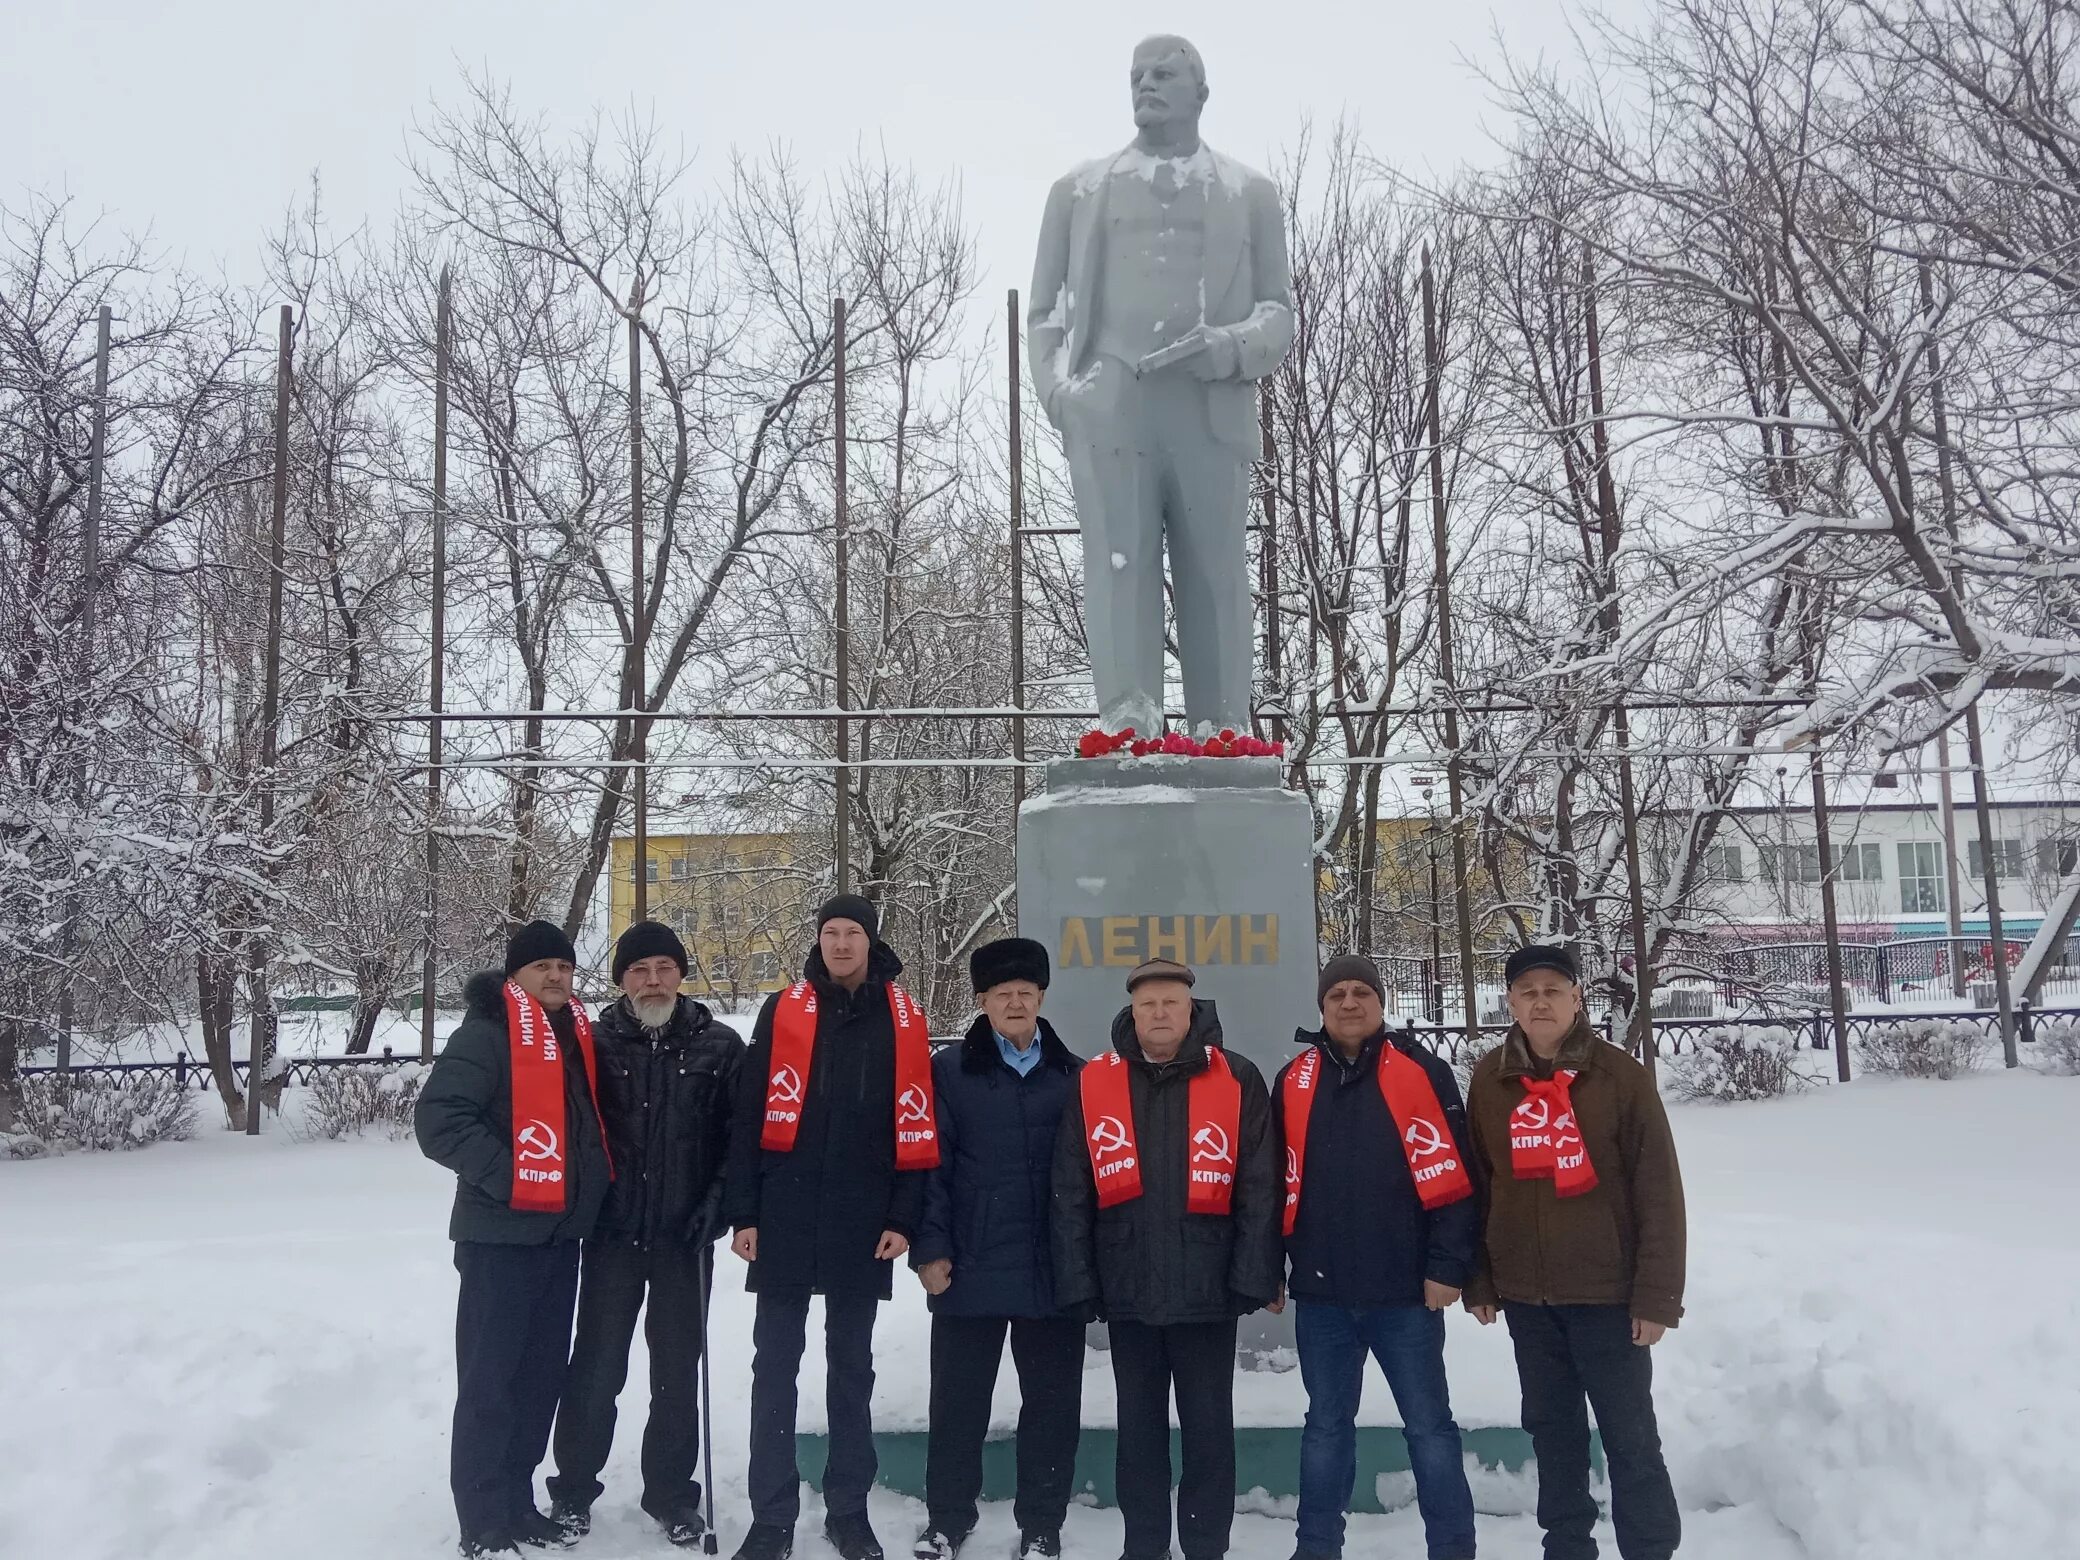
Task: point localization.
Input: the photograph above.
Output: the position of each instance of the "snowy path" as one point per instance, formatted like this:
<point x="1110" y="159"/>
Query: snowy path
<point x="230" y="1351"/>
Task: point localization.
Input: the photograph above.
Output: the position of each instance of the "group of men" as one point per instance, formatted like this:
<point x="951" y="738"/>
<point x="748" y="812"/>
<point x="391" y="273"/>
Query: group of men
<point x="1158" y="1185"/>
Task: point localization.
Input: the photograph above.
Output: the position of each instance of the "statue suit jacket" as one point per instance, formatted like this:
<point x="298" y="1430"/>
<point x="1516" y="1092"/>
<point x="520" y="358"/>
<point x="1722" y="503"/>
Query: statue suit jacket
<point x="1248" y="289"/>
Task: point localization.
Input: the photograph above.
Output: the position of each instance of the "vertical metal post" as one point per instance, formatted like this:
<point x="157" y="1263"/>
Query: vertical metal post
<point x="89" y="622"/>
<point x="1433" y="356"/>
<point x="1267" y="566"/>
<point x="271" y="707"/>
<point x="1640" y="1027"/>
<point x="1974" y="738"/>
<point x="1830" y="924"/>
<point x="1018" y="566"/>
<point x="1953" y="914"/>
<point x="841" y="831"/>
<point x="429" y="973"/>
<point x="638" y="625"/>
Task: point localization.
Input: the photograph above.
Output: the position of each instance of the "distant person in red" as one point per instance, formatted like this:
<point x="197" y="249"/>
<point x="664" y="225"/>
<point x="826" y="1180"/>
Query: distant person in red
<point x="509" y="1107"/>
<point x="834" y="1134"/>
<point x="1583" y="1250"/>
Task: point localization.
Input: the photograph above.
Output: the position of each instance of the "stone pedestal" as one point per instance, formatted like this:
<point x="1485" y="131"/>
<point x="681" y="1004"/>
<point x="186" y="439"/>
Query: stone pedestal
<point x="1205" y="860"/>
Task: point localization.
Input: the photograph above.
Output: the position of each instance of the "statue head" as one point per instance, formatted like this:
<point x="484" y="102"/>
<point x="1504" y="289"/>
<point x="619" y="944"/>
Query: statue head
<point x="1169" y="84"/>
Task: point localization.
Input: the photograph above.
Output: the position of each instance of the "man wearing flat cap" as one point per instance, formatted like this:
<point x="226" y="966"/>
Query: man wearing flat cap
<point x="1166" y="1215"/>
<point x="1584" y="1253"/>
<point x="1380" y="1222"/>
<point x="835" y="1132"/>
<point x="982" y="1254"/>
<point x="667" y="1087"/>
<point x="509" y="1108"/>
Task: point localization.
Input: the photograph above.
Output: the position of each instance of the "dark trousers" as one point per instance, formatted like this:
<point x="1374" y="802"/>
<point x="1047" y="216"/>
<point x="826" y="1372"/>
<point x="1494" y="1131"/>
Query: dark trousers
<point x="512" y="1339"/>
<point x="777" y="1339"/>
<point x="1408" y="1342"/>
<point x="966" y="1351"/>
<point x="1195" y="1360"/>
<point x="612" y="1282"/>
<point x="1571" y="1358"/>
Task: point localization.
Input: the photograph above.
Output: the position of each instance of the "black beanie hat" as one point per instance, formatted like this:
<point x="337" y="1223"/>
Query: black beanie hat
<point x="1348" y="966"/>
<point x="849" y="907"/>
<point x="1008" y="958"/>
<point x="646" y="940"/>
<point x="1539" y="957"/>
<point x="538" y="940"/>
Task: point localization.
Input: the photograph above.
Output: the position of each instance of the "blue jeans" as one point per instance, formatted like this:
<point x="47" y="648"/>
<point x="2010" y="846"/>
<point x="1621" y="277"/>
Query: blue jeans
<point x="1408" y="1342"/>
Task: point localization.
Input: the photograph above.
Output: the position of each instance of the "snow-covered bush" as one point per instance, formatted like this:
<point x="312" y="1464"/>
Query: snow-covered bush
<point x="1922" y="1047"/>
<point x="1737" y="1062"/>
<point x="346" y="1101"/>
<point x="2058" y="1045"/>
<point x="130" y="1110"/>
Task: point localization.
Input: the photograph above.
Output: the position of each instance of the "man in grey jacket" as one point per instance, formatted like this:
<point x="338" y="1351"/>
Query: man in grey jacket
<point x="509" y="1107"/>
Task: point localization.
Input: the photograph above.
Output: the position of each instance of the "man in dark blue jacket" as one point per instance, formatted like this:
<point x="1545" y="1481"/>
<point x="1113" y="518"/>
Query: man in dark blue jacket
<point x="982" y="1255"/>
<point x="1373" y="1267"/>
<point x="509" y="1108"/>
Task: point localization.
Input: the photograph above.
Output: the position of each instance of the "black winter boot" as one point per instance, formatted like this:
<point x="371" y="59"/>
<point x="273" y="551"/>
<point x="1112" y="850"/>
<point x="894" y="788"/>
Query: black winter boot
<point x="574" y="1519"/>
<point x="853" y="1538"/>
<point x="532" y="1530"/>
<point x="766" y="1541"/>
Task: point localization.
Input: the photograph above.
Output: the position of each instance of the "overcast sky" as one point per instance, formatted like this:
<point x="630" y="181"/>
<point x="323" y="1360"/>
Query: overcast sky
<point x="202" y="120"/>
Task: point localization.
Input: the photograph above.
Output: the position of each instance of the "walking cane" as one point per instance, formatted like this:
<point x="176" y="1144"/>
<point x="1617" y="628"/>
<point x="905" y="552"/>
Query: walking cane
<point x="709" y="1544"/>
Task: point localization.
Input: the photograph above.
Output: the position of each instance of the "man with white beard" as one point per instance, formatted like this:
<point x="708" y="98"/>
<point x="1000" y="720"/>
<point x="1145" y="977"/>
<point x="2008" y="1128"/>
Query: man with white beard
<point x="667" y="1083"/>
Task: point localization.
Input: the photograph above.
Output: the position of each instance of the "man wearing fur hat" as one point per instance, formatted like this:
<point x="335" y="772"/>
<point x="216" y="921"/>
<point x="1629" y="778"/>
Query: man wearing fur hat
<point x="1381" y="1221"/>
<point x="982" y="1255"/>
<point x="510" y="1108"/>
<point x="667" y="1087"/>
<point x="835" y="1130"/>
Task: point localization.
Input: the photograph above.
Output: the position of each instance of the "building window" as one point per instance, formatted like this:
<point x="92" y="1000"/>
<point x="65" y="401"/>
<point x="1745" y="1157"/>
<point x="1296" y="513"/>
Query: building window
<point x="649" y="869"/>
<point x="1725" y="864"/>
<point x="1861" y="863"/>
<point x="1790" y="863"/>
<point x="765" y="968"/>
<point x="2058" y="858"/>
<point x="1920" y="878"/>
<point x="2007" y="858"/>
<point x="678" y="869"/>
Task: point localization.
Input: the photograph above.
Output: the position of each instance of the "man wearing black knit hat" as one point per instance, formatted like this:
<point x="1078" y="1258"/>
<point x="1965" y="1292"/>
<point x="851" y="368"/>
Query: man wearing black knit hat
<point x="982" y="1254"/>
<point x="667" y="1090"/>
<point x="510" y="1108"/>
<point x="1381" y="1225"/>
<point x="835" y="1131"/>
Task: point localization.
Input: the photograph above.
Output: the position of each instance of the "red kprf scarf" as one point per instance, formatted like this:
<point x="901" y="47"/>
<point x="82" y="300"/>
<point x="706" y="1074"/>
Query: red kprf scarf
<point x="540" y="1147"/>
<point x="1426" y="1142"/>
<point x="1545" y="1142"/>
<point x="794" y="1052"/>
<point x="1214" y="1107"/>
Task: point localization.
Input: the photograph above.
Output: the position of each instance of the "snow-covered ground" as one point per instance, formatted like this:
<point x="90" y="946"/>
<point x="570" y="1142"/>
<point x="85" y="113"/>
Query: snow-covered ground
<point x="232" y="1350"/>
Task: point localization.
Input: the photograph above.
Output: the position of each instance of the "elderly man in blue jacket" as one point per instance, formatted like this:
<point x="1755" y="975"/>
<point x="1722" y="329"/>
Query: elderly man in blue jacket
<point x="982" y="1255"/>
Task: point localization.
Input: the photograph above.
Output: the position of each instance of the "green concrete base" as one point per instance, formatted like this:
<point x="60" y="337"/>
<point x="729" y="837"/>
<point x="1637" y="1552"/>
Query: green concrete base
<point x="1265" y="1459"/>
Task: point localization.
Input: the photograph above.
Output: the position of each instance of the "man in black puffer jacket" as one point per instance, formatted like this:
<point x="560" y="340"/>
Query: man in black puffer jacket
<point x="834" y="1103"/>
<point x="509" y="1107"/>
<point x="667" y="1087"/>
<point x="1166" y="1217"/>
<point x="983" y="1257"/>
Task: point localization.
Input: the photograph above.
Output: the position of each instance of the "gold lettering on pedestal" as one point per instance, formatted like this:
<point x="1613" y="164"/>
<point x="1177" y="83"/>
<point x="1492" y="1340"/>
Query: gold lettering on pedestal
<point x="1123" y="941"/>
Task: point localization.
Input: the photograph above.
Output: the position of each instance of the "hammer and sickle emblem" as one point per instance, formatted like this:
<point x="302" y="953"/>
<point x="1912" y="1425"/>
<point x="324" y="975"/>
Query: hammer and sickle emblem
<point x="537" y="1141"/>
<point x="1109" y="1136"/>
<point x="914" y="1106"/>
<point x="1210" y="1143"/>
<point x="787" y="1086"/>
<point x="1423" y="1138"/>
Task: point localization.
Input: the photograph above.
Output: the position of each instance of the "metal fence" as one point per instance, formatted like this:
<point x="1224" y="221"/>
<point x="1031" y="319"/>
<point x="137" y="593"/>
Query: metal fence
<point x="1672" y="1037"/>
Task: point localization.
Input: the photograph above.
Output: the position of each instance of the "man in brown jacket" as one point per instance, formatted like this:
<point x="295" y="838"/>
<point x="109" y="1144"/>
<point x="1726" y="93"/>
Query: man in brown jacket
<point x="1584" y="1254"/>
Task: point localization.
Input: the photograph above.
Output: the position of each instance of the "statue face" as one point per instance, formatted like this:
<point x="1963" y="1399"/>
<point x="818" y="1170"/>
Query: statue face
<point x="1165" y="88"/>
